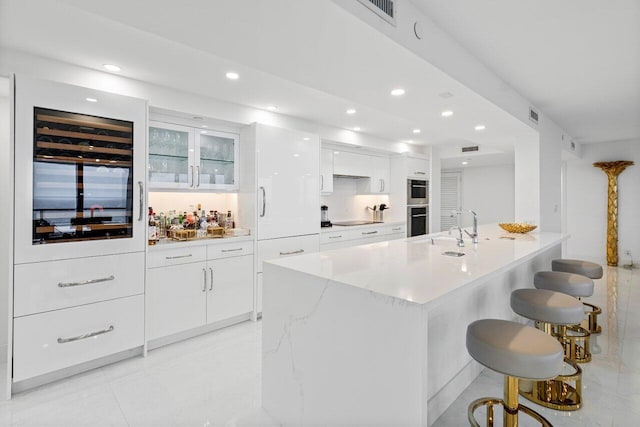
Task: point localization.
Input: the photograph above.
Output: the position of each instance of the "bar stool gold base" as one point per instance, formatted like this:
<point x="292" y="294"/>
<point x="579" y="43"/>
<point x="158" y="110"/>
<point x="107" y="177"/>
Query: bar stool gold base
<point x="592" y="318"/>
<point x="510" y="405"/>
<point x="575" y="341"/>
<point x="558" y="393"/>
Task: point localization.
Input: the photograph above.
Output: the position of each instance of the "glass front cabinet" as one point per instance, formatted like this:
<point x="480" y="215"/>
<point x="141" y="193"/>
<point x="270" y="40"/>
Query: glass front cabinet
<point x="182" y="157"/>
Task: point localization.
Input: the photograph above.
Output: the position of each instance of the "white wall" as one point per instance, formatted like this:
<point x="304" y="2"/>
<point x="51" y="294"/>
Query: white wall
<point x="489" y="191"/>
<point x="586" y="195"/>
<point x="345" y="204"/>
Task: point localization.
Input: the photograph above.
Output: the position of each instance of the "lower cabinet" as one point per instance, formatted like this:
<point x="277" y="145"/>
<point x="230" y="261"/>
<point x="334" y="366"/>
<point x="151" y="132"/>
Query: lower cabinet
<point x="190" y="295"/>
<point x="344" y="238"/>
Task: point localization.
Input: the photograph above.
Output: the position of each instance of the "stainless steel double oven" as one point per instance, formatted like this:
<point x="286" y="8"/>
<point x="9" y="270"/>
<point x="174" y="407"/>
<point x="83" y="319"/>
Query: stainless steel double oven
<point x="417" y="207"/>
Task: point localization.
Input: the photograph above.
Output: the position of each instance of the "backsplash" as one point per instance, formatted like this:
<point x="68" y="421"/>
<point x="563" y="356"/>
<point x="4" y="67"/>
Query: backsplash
<point x="185" y="201"/>
<point x="345" y="204"/>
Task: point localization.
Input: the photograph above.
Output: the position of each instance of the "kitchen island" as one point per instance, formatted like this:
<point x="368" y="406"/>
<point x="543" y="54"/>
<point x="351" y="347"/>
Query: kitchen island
<point x="375" y="334"/>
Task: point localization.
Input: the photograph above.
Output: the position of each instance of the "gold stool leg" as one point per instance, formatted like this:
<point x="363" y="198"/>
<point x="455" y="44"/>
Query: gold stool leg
<point x="510" y="418"/>
<point x="592" y="318"/>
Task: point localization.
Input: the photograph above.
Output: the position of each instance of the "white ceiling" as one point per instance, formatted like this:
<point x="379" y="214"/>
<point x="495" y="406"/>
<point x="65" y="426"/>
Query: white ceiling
<point x="577" y="60"/>
<point x="310" y="58"/>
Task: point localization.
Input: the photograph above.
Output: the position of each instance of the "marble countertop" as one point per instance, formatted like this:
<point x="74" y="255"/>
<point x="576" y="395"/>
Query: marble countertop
<point x="415" y="270"/>
<point x="339" y="228"/>
<point x="173" y="244"/>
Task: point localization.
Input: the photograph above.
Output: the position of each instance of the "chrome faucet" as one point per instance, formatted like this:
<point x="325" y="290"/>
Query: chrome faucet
<point x="474" y="235"/>
<point x="459" y="239"/>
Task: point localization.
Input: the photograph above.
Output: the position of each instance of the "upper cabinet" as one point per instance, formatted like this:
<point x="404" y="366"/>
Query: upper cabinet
<point x="417" y="168"/>
<point x="326" y="170"/>
<point x="182" y="157"/>
<point x="372" y="171"/>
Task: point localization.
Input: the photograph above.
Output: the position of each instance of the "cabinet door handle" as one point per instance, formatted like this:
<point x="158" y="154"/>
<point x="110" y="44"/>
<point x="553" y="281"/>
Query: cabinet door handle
<point x="321" y="182"/>
<point x="419" y="173"/>
<point x="141" y="188"/>
<point x="204" y="279"/>
<point x="85" y="336"/>
<point x="211" y="279"/>
<point x="231" y="250"/>
<point x="198" y="173"/>
<point x="264" y="201"/>
<point x="370" y="232"/>
<point x="86" y="282"/>
<point x="192" y="181"/>
<point x="179" y="256"/>
<point x="335" y="237"/>
<point x="396" y="229"/>
<point x="299" y="251"/>
<point x="384" y="185"/>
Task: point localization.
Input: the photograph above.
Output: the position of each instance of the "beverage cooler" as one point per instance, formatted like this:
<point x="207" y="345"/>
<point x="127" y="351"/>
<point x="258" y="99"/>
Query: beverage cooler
<point x="79" y="172"/>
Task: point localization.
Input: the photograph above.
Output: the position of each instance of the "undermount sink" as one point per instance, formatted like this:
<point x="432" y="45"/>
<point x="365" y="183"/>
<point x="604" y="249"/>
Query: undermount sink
<point x="453" y="253"/>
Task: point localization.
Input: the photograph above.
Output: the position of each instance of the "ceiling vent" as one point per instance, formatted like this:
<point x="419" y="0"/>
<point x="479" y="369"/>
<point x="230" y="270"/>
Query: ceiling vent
<point x="533" y="115"/>
<point x="470" y="149"/>
<point x="383" y="8"/>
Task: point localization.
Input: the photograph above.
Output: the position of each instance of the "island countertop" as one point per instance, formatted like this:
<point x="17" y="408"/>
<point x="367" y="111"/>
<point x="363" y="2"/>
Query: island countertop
<point x="415" y="269"/>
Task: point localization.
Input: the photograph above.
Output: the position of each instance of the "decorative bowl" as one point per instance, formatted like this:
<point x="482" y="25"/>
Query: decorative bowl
<point x="517" y="227"/>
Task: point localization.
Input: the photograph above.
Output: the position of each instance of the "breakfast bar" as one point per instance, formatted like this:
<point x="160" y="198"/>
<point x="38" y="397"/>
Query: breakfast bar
<point x="375" y="334"/>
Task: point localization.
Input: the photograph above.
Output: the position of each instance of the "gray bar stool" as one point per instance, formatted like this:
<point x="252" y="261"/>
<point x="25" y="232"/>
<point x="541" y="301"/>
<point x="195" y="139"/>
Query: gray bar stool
<point x="592" y="271"/>
<point x="576" y="285"/>
<point x="517" y="351"/>
<point x="552" y="312"/>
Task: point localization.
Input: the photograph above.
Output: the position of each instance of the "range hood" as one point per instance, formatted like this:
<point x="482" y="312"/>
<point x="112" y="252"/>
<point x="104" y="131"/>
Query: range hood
<point x="350" y="176"/>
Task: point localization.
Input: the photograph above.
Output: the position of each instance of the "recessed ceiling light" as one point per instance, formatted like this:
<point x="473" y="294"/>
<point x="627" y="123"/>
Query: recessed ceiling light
<point x="111" y="67"/>
<point x="336" y="152"/>
<point x="351" y="111"/>
<point x="410" y="141"/>
<point x="465" y="162"/>
<point x="91" y="99"/>
<point x="203" y="131"/>
<point x="397" y="91"/>
<point x="306" y="138"/>
<point x="272" y="107"/>
<point x="417" y="131"/>
<point x="205" y="126"/>
<point x="357" y="128"/>
<point x="447" y="113"/>
<point x="232" y="75"/>
<point x="480" y="127"/>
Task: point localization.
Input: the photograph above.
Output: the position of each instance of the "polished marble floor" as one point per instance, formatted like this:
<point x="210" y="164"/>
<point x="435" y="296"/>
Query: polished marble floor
<point x="214" y="380"/>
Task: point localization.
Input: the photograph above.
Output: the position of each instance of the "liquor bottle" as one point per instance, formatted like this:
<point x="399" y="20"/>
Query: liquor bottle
<point x="229" y="221"/>
<point x="153" y="229"/>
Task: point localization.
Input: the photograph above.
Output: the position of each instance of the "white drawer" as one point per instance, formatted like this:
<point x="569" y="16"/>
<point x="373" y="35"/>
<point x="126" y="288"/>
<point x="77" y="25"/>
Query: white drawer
<point x="278" y="248"/>
<point x="367" y="233"/>
<point x="54" y="285"/>
<point x="174" y="256"/>
<point x="40" y="341"/>
<point x="395" y="229"/>
<point x="334" y="237"/>
<point x="227" y="250"/>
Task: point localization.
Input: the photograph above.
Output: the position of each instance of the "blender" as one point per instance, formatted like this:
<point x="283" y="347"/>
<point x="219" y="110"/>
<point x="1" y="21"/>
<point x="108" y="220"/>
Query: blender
<point x="324" y="216"/>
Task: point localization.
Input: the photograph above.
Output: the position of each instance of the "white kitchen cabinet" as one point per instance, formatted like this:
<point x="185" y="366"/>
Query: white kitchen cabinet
<point x="176" y="299"/>
<point x="346" y="237"/>
<point x="230" y="290"/>
<point x="288" y="175"/>
<point x="183" y="157"/>
<point x="378" y="173"/>
<point x="192" y="287"/>
<point x="54" y="340"/>
<point x="326" y="170"/>
<point x="417" y="168"/>
<point x="281" y="248"/>
<point x="351" y="164"/>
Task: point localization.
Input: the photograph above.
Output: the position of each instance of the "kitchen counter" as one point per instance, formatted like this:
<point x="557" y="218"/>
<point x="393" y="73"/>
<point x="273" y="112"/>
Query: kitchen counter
<point x="375" y="334"/>
<point x="359" y="227"/>
<point x="168" y="243"/>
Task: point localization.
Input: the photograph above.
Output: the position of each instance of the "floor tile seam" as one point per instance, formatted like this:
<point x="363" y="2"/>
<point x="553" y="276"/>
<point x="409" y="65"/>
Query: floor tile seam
<point x="115" y="396"/>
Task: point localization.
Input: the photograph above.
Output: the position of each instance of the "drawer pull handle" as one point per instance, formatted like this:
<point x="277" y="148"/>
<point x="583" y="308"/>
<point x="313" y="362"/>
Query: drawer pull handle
<point x="419" y="173"/>
<point x="86" y="282"/>
<point x="85" y="336"/>
<point x="232" y="250"/>
<point x="179" y="256"/>
<point x="335" y="237"/>
<point x="396" y="229"/>
<point x="299" y="251"/>
<point x="370" y="232"/>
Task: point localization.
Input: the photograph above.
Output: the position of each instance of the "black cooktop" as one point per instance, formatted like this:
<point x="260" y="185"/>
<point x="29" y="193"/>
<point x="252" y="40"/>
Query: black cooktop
<point x="356" y="222"/>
